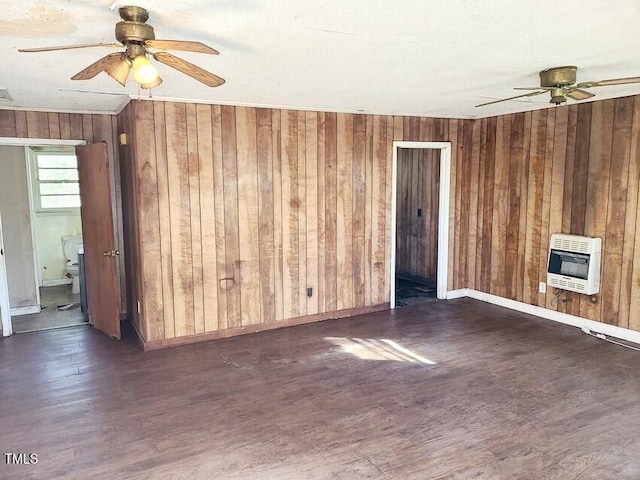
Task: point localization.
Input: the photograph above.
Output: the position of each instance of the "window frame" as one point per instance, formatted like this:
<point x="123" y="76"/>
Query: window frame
<point x="36" y="182"/>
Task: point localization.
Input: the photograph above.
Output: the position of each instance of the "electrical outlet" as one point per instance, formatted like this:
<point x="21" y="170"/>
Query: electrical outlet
<point x="542" y="288"/>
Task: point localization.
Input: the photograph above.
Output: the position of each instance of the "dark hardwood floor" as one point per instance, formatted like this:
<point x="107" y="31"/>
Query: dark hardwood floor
<point x="435" y="390"/>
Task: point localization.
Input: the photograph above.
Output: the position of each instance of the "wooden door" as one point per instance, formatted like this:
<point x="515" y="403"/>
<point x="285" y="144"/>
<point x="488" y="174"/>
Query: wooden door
<point x="100" y="251"/>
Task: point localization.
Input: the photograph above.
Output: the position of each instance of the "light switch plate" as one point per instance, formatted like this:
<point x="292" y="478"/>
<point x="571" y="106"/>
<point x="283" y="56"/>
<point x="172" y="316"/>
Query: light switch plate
<point x="543" y="287"/>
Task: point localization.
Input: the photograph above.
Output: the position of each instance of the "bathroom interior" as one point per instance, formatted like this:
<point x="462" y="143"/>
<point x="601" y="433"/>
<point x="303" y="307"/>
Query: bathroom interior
<point x="42" y="229"/>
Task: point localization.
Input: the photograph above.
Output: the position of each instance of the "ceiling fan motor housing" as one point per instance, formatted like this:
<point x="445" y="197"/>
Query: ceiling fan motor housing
<point x="133" y="27"/>
<point x="558" y="76"/>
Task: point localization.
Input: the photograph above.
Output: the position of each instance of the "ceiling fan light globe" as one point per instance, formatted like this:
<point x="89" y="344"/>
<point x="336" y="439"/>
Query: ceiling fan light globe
<point x="120" y="71"/>
<point x="154" y="84"/>
<point x="143" y="70"/>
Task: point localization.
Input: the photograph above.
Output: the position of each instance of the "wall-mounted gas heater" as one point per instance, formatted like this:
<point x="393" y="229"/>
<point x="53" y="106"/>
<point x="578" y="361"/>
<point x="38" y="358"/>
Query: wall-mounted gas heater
<point x="574" y="263"/>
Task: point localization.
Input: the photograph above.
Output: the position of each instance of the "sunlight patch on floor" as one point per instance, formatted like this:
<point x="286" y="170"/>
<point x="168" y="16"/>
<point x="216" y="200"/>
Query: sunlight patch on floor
<point x="373" y="349"/>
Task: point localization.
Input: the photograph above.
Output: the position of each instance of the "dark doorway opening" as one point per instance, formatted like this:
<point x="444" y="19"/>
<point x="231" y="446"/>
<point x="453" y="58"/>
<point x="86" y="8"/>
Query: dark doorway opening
<point x="417" y="205"/>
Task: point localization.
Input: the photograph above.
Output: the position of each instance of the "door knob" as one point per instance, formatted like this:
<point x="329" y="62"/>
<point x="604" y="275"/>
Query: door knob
<point x="111" y="253"/>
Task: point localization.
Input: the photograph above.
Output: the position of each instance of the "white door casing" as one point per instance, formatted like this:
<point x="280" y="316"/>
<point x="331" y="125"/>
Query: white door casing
<point x="4" y="285"/>
<point x="443" y="213"/>
<point x="4" y="290"/>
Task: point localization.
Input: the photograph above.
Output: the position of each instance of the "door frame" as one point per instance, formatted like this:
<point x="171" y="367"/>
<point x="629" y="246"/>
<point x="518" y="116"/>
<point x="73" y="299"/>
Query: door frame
<point x="5" y="308"/>
<point x="443" y="213"/>
<point x="26" y="143"/>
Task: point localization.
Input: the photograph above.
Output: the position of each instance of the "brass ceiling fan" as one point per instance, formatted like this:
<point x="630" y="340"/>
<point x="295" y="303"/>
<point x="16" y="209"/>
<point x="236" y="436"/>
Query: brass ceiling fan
<point x="139" y="39"/>
<point x="561" y="83"/>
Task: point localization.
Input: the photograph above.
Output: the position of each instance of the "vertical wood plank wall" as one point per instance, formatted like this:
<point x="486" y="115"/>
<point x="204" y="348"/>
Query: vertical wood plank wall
<point x="71" y="126"/>
<point x="234" y="212"/>
<point x="417" y="236"/>
<point x="242" y="209"/>
<point x="237" y="211"/>
<point x="571" y="169"/>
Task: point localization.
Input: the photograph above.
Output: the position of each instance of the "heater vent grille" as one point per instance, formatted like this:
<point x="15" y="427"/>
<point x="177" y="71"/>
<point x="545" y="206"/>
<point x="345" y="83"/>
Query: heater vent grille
<point x="571" y="245"/>
<point x="566" y="284"/>
<point x="574" y="263"/>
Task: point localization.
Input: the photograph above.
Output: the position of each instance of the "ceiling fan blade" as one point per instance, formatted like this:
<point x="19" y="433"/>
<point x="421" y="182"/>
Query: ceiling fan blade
<point x="532" y="88"/>
<point x="101" y="65"/>
<point x="69" y="47"/>
<point x="513" y="98"/>
<point x="190" y="69"/>
<point x="612" y="81"/>
<point x="182" y="45"/>
<point x="578" y="94"/>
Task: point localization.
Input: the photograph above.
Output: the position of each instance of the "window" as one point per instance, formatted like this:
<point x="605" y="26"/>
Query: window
<point x="56" y="181"/>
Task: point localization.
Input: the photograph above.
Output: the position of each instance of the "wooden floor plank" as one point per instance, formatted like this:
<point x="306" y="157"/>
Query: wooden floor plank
<point x="455" y="389"/>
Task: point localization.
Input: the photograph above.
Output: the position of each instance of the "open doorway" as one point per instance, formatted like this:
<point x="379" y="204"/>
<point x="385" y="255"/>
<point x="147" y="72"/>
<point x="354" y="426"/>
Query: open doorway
<point x="42" y="232"/>
<point x="417" y="223"/>
<point x="420" y="220"/>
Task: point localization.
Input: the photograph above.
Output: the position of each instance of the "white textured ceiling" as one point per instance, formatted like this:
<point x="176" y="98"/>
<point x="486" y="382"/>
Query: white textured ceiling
<point x="411" y="57"/>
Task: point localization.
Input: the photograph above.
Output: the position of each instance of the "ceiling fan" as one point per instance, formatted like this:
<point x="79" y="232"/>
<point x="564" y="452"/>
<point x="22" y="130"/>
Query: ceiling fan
<point x="559" y="81"/>
<point x="139" y="41"/>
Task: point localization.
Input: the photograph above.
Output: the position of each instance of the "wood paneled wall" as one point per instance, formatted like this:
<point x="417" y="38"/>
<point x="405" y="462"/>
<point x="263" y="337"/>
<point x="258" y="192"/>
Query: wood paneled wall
<point x="417" y="236"/>
<point x="70" y="126"/>
<point x="131" y="236"/>
<point x="241" y="210"/>
<point x="571" y="169"/>
<point x="234" y="212"/>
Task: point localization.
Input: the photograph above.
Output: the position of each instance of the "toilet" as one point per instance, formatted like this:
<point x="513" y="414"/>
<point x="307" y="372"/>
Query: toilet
<point x="70" y="245"/>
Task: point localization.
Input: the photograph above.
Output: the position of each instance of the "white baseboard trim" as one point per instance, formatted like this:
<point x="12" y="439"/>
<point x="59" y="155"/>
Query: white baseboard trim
<point x="55" y="283"/>
<point x="463" y="292"/>
<point x="24" y="310"/>
<point x="579" y="322"/>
